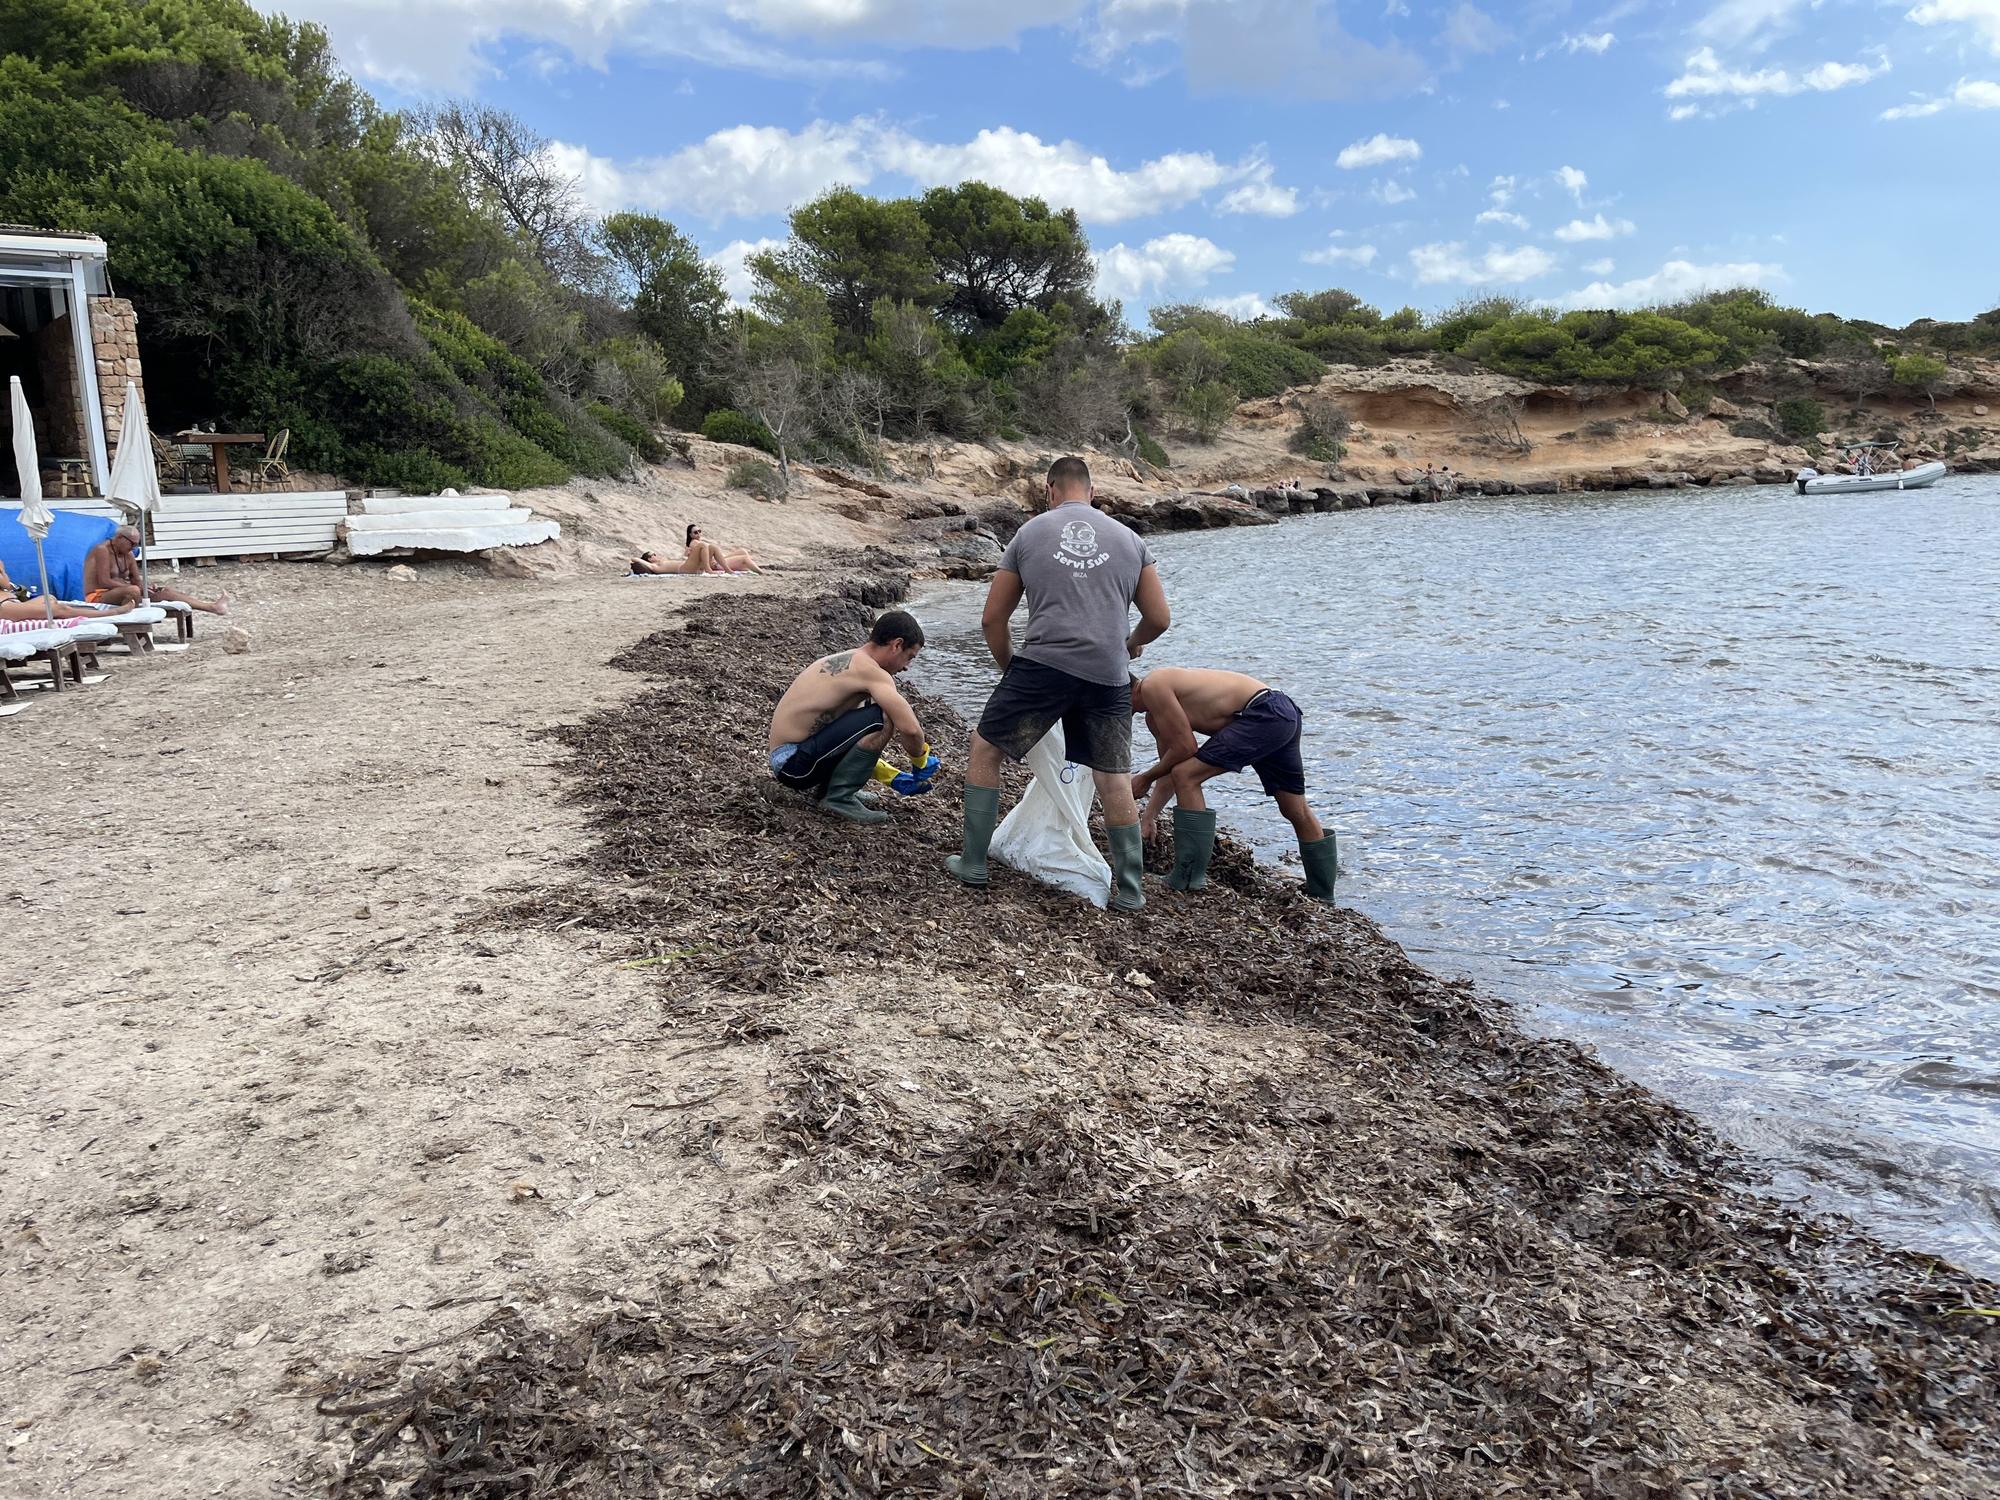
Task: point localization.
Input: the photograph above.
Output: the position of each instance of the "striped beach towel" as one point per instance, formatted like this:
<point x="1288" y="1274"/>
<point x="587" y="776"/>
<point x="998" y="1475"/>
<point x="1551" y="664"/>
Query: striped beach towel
<point x="20" y="627"/>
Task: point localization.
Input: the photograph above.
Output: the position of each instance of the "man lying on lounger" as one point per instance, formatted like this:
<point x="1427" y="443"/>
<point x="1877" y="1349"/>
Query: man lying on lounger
<point x="841" y="711"/>
<point x="1247" y="724"/>
<point x="111" y="576"/>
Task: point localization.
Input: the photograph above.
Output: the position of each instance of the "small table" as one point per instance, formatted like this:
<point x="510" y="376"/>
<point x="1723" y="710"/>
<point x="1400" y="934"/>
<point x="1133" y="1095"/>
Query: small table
<point x="219" y="444"/>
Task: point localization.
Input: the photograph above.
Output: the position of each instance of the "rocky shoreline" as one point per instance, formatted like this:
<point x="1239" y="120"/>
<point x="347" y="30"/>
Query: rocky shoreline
<point x="1227" y="1197"/>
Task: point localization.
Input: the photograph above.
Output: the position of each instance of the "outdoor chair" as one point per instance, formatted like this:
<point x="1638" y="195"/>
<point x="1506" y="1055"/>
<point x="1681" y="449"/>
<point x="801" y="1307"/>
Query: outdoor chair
<point x="173" y="463"/>
<point x="270" y="470"/>
<point x="72" y="477"/>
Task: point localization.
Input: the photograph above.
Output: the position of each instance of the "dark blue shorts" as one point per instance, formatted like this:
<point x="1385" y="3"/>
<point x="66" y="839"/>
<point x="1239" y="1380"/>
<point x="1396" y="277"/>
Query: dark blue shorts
<point x="1265" y="736"/>
<point x="1032" y="699"/>
<point x="810" y="765"/>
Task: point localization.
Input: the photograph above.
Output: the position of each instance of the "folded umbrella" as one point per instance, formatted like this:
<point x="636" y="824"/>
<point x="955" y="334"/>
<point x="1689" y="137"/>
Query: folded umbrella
<point x="135" y="478"/>
<point x="36" y="517"/>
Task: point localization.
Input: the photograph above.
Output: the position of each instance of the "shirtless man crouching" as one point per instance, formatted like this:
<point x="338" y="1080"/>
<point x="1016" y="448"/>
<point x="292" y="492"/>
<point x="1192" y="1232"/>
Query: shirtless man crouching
<point x="840" y="711"/>
<point x="1248" y="724"/>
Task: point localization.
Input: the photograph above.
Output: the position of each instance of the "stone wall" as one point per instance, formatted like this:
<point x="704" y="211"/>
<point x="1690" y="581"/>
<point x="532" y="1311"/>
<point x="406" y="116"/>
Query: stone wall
<point x="114" y="329"/>
<point x="59" y="414"/>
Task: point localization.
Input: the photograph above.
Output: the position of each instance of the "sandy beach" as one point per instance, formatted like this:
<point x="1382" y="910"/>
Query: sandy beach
<point x="385" y="1073"/>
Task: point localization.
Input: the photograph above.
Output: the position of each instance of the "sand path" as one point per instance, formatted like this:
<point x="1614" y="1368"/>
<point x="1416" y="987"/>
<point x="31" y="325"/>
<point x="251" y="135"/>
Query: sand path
<point x="271" y="1079"/>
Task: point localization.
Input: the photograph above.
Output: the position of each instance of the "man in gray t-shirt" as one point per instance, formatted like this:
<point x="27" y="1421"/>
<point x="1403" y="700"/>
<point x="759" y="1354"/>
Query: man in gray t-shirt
<point x="1081" y="572"/>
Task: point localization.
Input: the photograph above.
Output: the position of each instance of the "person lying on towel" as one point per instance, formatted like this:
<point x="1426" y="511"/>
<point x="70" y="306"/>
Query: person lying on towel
<point x="840" y="712"/>
<point x="111" y="576"/>
<point x="36" y="611"/>
<point x="1248" y="724"/>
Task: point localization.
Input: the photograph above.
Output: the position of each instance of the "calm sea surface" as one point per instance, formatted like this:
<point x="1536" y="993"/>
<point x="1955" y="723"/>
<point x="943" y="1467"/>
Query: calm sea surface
<point x="1708" y="780"/>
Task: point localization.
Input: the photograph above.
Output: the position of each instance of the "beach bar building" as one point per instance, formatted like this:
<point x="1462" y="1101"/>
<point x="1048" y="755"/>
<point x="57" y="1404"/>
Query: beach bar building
<point x="73" y="344"/>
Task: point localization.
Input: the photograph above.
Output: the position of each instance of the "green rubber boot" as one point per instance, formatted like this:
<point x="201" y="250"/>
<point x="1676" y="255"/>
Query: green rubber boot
<point x="982" y="811"/>
<point x="1128" y="868"/>
<point x="1322" y="863"/>
<point x="1194" y="843"/>
<point x="843" y="790"/>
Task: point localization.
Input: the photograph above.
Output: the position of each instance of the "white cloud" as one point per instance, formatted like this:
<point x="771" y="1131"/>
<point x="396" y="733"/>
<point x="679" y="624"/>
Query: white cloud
<point x="748" y="170"/>
<point x="1260" y="195"/>
<point x="1736" y="23"/>
<point x="1706" y="77"/>
<point x="1674" y="280"/>
<point x="963" y="24"/>
<point x="1391" y="192"/>
<point x="1683" y="111"/>
<point x="1359" y="256"/>
<point x="1970" y="93"/>
<point x="1502" y="216"/>
<point x="743" y="171"/>
<point x="1453" y="263"/>
<point x="1600" y="267"/>
<point x="1063" y="172"/>
<point x="1378" y="151"/>
<point x="730" y="262"/>
<point x="1596" y="227"/>
<point x="1295" y="48"/>
<point x="1596" y="45"/>
<point x="1501" y="190"/>
<point x="1573" y="181"/>
<point x="1244" y="306"/>
<point x="433" y="45"/>
<point x="1469" y="32"/>
<point x="1171" y="263"/>
<point x="1982" y="15"/>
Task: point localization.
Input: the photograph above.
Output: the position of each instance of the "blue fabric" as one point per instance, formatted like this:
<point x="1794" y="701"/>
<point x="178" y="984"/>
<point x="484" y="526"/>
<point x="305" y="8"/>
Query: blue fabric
<point x="69" y="542"/>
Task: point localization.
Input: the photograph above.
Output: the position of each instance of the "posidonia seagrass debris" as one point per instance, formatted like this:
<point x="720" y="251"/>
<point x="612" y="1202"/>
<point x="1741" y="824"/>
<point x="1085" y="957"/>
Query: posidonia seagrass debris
<point x="1295" y="1219"/>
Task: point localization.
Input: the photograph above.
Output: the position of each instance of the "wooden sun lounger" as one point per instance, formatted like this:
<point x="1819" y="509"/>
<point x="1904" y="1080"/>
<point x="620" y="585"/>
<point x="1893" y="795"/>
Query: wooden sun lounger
<point x="61" y="650"/>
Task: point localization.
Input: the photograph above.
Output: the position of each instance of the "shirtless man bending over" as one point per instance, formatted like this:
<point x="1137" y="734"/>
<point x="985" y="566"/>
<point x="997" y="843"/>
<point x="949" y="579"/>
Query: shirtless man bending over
<point x="1248" y="724"/>
<point x="841" y="711"/>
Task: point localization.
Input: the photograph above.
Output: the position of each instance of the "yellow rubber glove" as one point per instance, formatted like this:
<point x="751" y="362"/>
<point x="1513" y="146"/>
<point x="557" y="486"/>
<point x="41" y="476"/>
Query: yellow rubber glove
<point x="884" y="772"/>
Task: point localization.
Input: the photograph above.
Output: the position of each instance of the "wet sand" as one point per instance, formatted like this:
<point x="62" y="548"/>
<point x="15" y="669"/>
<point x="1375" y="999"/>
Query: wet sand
<point x="421" y="1102"/>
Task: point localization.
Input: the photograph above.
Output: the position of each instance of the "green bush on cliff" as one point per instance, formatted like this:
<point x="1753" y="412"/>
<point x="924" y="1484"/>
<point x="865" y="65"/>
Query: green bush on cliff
<point x="726" y="426"/>
<point x="1801" y="418"/>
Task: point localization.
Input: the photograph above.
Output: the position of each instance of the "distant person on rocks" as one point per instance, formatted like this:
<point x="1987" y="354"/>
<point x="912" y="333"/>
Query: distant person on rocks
<point x="111" y="576"/>
<point x="839" y="713"/>
<point x="1248" y="723"/>
<point x="1081" y="572"/>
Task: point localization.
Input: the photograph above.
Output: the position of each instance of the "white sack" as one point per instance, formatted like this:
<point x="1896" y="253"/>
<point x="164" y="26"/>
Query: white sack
<point x="1048" y="834"/>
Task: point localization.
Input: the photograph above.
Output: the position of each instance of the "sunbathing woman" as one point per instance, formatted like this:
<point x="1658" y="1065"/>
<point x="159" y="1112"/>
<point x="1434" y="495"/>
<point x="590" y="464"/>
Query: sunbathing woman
<point x="721" y="560"/>
<point x="12" y="608"/>
<point x="702" y="557"/>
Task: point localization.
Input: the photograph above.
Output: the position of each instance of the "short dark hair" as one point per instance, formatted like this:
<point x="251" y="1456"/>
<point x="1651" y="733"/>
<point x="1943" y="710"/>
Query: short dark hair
<point x="1070" y="473"/>
<point x="897" y="625"/>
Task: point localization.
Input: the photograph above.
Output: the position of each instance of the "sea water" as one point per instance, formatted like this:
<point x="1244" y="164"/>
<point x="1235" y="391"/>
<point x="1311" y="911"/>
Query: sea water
<point x="1708" y="779"/>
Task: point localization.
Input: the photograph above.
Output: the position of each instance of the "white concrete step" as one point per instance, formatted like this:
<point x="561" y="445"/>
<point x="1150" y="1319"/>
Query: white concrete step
<point x="404" y="505"/>
<point x="454" y="538"/>
<point x="440" y="520"/>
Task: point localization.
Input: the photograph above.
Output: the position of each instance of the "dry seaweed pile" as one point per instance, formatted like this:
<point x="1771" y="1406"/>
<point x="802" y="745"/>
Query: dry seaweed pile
<point x="1373" y="1242"/>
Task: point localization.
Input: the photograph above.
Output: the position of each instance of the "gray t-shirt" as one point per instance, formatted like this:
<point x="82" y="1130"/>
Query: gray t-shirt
<point x="1080" y="569"/>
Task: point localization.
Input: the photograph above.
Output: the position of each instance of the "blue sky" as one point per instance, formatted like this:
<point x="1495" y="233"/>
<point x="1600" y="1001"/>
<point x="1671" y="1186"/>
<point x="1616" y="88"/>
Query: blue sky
<point x="1580" y="152"/>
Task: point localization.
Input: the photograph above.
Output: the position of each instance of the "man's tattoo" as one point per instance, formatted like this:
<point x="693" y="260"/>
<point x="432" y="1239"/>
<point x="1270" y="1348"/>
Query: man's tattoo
<point x="836" y="664"/>
<point x="821" y="721"/>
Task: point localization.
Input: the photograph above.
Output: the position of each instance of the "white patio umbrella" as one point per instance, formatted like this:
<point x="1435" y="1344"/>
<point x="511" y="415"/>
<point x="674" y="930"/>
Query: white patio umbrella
<point x="135" y="478"/>
<point x="36" y="517"/>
